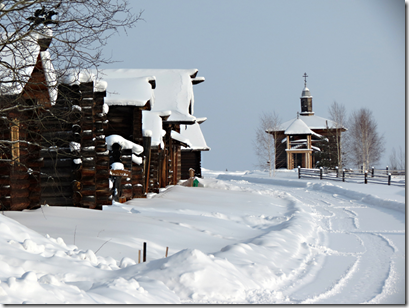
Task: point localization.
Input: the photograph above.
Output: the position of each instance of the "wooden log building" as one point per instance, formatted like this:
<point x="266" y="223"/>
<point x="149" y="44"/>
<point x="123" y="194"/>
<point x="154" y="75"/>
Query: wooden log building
<point x="60" y="151"/>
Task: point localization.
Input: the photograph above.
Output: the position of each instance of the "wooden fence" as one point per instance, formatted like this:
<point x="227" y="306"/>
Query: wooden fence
<point x="375" y="176"/>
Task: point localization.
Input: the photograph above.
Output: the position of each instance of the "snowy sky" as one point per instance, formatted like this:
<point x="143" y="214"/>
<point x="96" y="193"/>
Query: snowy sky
<point x="253" y="55"/>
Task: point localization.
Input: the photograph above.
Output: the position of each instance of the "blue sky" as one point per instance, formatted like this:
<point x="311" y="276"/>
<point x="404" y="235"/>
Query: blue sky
<point x="253" y="55"/>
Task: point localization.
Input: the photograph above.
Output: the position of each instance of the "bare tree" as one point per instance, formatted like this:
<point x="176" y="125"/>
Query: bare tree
<point x="69" y="34"/>
<point x="397" y="159"/>
<point x="79" y="28"/>
<point x="338" y="114"/>
<point x="365" y="145"/>
<point x="265" y="142"/>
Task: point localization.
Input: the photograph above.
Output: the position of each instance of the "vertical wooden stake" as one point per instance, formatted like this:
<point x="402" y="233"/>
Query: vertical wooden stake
<point x="144" y="251"/>
<point x="139" y="256"/>
<point x="167" y="249"/>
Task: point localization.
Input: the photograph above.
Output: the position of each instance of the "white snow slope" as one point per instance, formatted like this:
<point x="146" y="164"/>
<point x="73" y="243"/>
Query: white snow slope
<point x="243" y="238"/>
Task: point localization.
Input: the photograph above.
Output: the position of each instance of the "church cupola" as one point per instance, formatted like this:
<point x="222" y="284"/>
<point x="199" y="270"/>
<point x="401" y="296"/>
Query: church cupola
<point x="306" y="99"/>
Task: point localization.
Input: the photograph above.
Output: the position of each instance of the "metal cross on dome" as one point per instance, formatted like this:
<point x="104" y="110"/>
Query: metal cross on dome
<point x="305" y="79"/>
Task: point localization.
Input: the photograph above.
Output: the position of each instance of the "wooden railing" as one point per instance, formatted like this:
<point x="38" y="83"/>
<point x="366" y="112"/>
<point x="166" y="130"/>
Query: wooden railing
<point x="375" y="176"/>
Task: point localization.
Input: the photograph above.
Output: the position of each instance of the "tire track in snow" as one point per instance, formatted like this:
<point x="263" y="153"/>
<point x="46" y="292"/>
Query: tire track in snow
<point x="373" y="273"/>
<point x="368" y="277"/>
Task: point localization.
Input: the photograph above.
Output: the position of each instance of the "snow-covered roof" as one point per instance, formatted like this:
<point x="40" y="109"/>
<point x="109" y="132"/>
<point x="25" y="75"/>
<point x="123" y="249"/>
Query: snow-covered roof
<point x="178" y="137"/>
<point x="298" y="127"/>
<point x="75" y="78"/>
<point x="151" y="121"/>
<point x="174" y="89"/>
<point x="312" y="121"/>
<point x="18" y="59"/>
<point x="133" y="91"/>
<point x="195" y="136"/>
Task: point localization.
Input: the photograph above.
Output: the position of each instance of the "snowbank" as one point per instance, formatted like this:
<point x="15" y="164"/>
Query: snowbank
<point x="242" y="238"/>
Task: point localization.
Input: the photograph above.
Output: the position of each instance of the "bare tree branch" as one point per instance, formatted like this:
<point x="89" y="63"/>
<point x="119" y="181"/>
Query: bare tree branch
<point x="365" y="145"/>
<point x="265" y="142"/>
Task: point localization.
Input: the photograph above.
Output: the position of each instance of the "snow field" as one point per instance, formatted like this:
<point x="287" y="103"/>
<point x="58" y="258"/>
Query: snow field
<point x="243" y="238"/>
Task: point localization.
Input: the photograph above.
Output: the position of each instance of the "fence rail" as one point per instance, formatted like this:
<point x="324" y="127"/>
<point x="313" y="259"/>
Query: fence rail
<point x="375" y="176"/>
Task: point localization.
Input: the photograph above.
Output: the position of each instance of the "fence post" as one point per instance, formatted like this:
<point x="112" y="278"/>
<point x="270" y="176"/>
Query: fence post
<point x="336" y="167"/>
<point x="389" y="179"/>
<point x="320" y="173"/>
<point x="343" y="175"/>
<point x="366" y="177"/>
<point x="299" y="172"/>
<point x="373" y="171"/>
<point x="144" y="252"/>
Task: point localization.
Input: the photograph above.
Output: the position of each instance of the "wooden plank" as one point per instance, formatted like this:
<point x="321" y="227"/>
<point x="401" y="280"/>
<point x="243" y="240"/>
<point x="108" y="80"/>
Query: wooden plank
<point x="124" y="173"/>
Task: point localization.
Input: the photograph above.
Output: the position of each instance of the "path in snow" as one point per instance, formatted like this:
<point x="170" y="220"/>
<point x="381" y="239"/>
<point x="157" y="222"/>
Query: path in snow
<point x="360" y="254"/>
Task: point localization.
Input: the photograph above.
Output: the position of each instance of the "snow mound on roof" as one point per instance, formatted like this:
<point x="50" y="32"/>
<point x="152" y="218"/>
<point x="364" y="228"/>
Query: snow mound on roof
<point x="133" y="91"/>
<point x="174" y="89"/>
<point x="195" y="136"/>
<point x="151" y="121"/>
<point x="124" y="143"/>
<point x="312" y="121"/>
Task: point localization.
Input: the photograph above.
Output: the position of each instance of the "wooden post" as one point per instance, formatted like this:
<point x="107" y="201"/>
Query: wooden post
<point x="167" y="249"/>
<point x="320" y="173"/>
<point x="139" y="256"/>
<point x="15" y="137"/>
<point x="389" y="179"/>
<point x="373" y="171"/>
<point x="366" y="177"/>
<point x="147" y="141"/>
<point x="299" y="172"/>
<point x="144" y="251"/>
<point x="343" y="175"/>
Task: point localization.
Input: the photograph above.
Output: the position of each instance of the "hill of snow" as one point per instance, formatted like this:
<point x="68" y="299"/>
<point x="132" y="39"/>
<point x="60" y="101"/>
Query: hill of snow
<point x="242" y="238"/>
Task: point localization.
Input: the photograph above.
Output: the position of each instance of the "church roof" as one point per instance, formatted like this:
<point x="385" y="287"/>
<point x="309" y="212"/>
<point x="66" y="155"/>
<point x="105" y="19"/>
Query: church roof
<point x="306" y="92"/>
<point x="298" y="127"/>
<point x="312" y="122"/>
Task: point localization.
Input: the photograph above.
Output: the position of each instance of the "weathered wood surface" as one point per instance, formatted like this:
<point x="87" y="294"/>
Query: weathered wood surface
<point x="190" y="159"/>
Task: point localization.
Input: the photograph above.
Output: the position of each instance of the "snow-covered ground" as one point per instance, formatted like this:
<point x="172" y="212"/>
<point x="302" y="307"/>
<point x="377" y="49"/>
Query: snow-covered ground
<point x="242" y="238"/>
